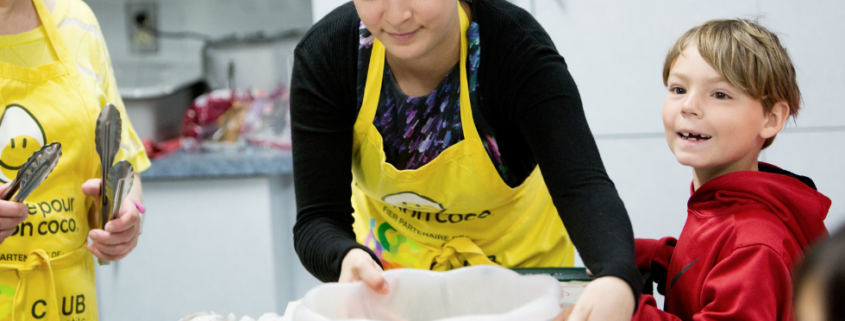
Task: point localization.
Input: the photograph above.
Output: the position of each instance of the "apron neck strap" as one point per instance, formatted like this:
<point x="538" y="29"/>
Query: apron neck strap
<point x="375" y="73"/>
<point x="64" y="56"/>
<point x="52" y="32"/>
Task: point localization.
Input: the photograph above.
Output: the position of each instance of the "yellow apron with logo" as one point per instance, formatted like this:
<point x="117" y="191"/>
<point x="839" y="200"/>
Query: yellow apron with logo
<point x="46" y="270"/>
<point x="454" y="211"/>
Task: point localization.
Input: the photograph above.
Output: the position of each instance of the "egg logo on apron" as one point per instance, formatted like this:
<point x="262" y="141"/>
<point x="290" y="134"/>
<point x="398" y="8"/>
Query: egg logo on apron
<point x="414" y="201"/>
<point x="21" y="135"/>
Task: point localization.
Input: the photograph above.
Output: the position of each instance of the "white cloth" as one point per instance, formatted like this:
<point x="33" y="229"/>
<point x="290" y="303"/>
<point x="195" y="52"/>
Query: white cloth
<point x="205" y="316"/>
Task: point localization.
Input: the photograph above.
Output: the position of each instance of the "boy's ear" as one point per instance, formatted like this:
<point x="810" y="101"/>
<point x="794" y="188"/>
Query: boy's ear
<point x="775" y="120"/>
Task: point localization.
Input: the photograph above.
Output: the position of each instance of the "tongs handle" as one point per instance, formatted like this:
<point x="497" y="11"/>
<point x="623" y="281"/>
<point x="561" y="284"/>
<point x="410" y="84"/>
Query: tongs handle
<point x="33" y="172"/>
<point x="10" y="191"/>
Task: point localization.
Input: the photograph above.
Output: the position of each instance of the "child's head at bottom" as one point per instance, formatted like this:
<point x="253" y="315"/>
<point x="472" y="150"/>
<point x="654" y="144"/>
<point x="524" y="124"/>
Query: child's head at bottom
<point x="731" y="87"/>
<point x="820" y="281"/>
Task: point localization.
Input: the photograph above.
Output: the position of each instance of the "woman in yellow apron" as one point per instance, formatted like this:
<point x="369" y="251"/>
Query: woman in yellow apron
<point x="50" y="95"/>
<point x="445" y="113"/>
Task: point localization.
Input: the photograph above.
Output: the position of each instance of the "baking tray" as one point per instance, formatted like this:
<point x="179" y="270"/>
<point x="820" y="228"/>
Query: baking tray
<point x="562" y="274"/>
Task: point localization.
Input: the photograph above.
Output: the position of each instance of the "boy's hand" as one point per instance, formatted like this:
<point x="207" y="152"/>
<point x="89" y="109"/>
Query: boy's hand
<point x="121" y="234"/>
<point x="11" y="214"/>
<point x="604" y="299"/>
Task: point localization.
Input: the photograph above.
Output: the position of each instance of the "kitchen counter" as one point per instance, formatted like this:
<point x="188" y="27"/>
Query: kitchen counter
<point x="253" y="161"/>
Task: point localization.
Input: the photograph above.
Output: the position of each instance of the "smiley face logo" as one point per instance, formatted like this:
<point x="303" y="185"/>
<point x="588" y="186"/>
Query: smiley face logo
<point x="414" y="201"/>
<point x="20" y="135"/>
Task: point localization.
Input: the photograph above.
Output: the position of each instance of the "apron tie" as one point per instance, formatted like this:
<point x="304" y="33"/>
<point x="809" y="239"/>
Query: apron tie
<point x="34" y="261"/>
<point x="456" y="253"/>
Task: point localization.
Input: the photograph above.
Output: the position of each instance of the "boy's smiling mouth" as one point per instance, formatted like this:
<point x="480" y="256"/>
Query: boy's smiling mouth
<point x="693" y="136"/>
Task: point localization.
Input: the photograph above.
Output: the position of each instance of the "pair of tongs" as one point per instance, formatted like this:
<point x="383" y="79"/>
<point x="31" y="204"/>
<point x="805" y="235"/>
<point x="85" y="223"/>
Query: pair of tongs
<point x="117" y="178"/>
<point x="33" y="172"/>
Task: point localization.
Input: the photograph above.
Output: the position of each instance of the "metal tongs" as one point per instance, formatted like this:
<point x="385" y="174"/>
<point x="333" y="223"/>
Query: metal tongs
<point x="33" y="172"/>
<point x="118" y="178"/>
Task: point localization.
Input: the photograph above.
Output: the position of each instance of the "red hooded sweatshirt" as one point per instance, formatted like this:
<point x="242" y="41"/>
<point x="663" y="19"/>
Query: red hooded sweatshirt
<point x="735" y="255"/>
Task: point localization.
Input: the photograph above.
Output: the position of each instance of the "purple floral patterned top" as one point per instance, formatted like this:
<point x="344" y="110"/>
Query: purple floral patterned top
<point x="415" y="130"/>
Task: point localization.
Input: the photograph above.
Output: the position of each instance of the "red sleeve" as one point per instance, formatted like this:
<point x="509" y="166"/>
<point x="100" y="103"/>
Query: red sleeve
<point x="650" y="251"/>
<point x="753" y="283"/>
<point x="648" y="311"/>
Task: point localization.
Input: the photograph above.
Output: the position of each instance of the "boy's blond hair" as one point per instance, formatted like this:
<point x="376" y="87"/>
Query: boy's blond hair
<point x="747" y="56"/>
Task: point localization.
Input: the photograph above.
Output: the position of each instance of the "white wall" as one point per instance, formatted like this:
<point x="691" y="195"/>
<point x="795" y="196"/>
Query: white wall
<point x="320" y="8"/>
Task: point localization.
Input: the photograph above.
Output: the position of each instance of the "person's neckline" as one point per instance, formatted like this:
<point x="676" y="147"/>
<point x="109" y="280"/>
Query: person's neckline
<point x="25" y="37"/>
<point x="395" y="87"/>
<point x="51" y="7"/>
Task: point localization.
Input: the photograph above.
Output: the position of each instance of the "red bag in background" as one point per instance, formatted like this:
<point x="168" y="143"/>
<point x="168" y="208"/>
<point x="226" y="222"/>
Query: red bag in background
<point x="226" y="120"/>
<point x="158" y="150"/>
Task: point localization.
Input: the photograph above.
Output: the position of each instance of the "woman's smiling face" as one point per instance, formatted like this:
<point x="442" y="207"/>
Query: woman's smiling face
<point x="409" y="29"/>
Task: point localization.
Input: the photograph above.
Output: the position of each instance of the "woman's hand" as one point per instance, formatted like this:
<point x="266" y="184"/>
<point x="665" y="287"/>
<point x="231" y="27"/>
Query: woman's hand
<point x="121" y="235"/>
<point x="11" y="214"/>
<point x="605" y="299"/>
<point x="358" y="265"/>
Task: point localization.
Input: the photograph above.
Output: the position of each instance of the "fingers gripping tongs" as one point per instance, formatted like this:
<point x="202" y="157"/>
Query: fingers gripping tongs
<point x="117" y="178"/>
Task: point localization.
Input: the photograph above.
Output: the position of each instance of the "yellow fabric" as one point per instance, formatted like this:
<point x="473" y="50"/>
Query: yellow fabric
<point x="46" y="270"/>
<point x="455" y="210"/>
<point x="37" y="277"/>
<point x="81" y="35"/>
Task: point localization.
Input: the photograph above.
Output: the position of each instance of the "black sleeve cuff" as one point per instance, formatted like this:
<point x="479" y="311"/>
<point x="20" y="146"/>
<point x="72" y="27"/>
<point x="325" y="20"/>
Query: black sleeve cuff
<point x="337" y="265"/>
<point x="630" y="275"/>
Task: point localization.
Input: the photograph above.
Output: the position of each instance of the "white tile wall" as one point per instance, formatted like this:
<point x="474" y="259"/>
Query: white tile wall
<point x="814" y="34"/>
<point x="818" y="155"/>
<point x="615" y="51"/>
<point x="654" y="187"/>
<point x="323" y="7"/>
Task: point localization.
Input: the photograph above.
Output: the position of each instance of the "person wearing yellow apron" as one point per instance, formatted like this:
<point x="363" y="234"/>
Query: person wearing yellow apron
<point x="464" y="139"/>
<point x="50" y="95"/>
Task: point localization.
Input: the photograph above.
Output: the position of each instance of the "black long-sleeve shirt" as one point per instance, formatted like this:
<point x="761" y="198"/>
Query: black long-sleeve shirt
<point x="528" y="98"/>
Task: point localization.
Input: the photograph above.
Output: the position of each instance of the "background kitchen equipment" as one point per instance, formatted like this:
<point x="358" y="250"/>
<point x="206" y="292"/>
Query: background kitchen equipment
<point x="158" y="94"/>
<point x="255" y="61"/>
<point x="259" y="65"/>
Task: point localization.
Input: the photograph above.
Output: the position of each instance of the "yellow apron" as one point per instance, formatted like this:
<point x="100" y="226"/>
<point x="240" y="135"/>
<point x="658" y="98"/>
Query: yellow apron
<point x="455" y="210"/>
<point x="46" y="270"/>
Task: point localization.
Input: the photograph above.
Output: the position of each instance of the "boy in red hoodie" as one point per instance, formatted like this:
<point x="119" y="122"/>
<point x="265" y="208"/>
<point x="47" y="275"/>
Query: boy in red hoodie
<point x="731" y="87"/>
